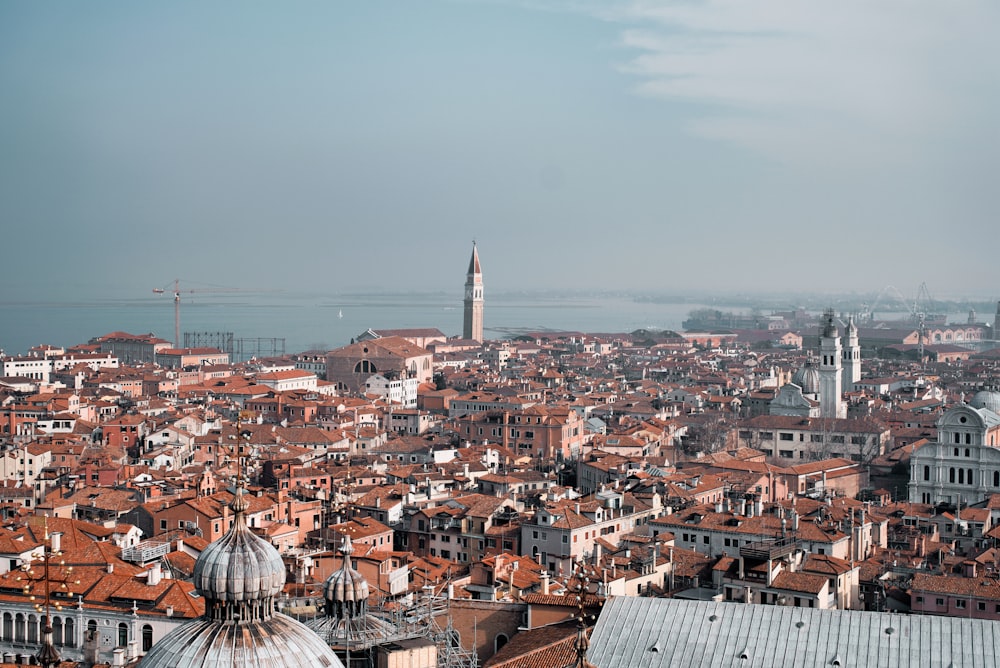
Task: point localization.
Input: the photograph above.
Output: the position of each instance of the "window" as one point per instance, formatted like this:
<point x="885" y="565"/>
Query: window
<point x="927" y="473"/>
<point x="960" y="604"/>
<point x="705" y="540"/>
<point x="981" y="606"/>
<point x="920" y="599"/>
<point x="147" y="637"/>
<point x="836" y="439"/>
<point x="163" y="525"/>
<point x="122" y="634"/>
<point x="785" y="436"/>
<point x="939" y="601"/>
<point x="788" y="454"/>
<point x="816" y="438"/>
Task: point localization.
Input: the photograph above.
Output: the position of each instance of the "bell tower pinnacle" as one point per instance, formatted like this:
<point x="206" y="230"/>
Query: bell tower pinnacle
<point x="473" y="324"/>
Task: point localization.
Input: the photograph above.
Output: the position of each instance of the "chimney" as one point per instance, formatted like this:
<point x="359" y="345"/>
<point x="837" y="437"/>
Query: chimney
<point x="55" y="540"/>
<point x="170" y="611"/>
<point x="795" y="520"/>
<point x="743" y="507"/>
<point x="545" y="582"/>
<point x="111" y="567"/>
<point x="154" y="574"/>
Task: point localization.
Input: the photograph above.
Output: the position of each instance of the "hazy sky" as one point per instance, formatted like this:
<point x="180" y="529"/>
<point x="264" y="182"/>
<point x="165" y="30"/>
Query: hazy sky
<point x="335" y="145"/>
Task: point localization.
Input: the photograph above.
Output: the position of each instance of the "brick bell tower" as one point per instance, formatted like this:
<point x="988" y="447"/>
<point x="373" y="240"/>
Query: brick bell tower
<point x="473" y="323"/>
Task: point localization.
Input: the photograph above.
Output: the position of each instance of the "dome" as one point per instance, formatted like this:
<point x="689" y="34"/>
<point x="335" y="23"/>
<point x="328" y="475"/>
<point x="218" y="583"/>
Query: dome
<point x="278" y="642"/>
<point x="807" y="378"/>
<point x="240" y="566"/>
<point x="988" y="399"/>
<point x="346" y="590"/>
<point x="239" y="575"/>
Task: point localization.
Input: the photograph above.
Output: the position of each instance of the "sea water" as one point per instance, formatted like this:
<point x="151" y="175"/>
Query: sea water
<point x="323" y="322"/>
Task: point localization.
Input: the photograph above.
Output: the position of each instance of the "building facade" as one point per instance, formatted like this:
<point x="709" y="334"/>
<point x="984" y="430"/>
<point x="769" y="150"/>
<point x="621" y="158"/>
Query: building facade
<point x="963" y="465"/>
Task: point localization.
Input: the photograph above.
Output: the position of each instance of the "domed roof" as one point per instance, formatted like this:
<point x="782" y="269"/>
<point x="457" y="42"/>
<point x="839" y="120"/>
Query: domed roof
<point x="346" y="590"/>
<point x="240" y="566"/>
<point x="807" y="378"/>
<point x="278" y="642"/>
<point x="239" y="576"/>
<point x="988" y="399"/>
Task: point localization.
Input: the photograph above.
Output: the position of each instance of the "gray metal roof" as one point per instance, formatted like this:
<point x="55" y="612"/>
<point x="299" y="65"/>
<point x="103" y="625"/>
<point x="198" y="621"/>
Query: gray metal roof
<point x="657" y="633"/>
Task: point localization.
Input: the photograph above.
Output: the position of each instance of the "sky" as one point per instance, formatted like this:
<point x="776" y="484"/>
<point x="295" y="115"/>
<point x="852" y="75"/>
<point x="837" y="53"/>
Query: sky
<point x="648" y="146"/>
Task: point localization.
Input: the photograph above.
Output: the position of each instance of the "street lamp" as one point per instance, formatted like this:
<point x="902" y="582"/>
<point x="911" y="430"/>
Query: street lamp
<point x="47" y="655"/>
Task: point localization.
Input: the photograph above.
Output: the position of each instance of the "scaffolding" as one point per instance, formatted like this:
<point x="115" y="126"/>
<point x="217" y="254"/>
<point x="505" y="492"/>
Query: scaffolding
<point x="240" y="349"/>
<point x="386" y="625"/>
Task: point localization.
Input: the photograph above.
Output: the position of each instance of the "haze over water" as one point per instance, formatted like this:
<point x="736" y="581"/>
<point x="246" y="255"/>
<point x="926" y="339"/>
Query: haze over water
<point x="309" y="321"/>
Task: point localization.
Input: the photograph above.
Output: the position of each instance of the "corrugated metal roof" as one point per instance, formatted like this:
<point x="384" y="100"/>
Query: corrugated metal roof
<point x="660" y="633"/>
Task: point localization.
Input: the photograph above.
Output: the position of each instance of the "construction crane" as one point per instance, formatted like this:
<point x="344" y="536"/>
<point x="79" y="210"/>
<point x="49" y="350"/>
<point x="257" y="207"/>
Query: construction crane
<point x="177" y="302"/>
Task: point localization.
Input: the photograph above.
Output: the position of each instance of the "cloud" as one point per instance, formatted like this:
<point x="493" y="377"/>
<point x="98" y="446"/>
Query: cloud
<point x="840" y="81"/>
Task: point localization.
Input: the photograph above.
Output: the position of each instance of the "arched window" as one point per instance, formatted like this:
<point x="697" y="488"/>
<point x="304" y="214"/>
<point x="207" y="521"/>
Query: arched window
<point x="69" y="634"/>
<point x="57" y="631"/>
<point x="996" y="478"/>
<point x="364" y="366"/>
<point x="122" y="634"/>
<point x="968" y="441"/>
<point x="499" y="642"/>
<point x="968" y="478"/>
<point x="147" y="637"/>
<point x="961" y="476"/>
<point x="8" y="626"/>
<point x="19" y="627"/>
<point x="927" y="473"/>
<point x="951" y="474"/>
<point x="32" y="628"/>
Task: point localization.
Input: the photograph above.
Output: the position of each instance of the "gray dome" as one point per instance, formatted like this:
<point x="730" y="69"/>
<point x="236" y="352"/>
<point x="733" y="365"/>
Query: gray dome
<point x="240" y="566"/>
<point x="807" y="378"/>
<point x="988" y="399"/>
<point x="346" y="590"/>
<point x="278" y="642"/>
<point x="239" y="575"/>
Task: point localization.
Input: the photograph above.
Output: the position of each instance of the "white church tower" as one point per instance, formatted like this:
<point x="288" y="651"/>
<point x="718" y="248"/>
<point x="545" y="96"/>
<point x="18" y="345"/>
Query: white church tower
<point x="852" y="357"/>
<point x="831" y="404"/>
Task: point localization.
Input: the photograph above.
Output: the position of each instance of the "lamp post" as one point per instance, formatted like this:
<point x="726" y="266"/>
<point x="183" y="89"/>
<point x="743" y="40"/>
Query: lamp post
<point x="47" y="656"/>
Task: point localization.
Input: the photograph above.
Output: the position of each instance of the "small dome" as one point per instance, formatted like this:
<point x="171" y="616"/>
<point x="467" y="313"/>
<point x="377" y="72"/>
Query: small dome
<point x="807" y="378"/>
<point x="240" y="566"/>
<point x="346" y="590"/>
<point x="988" y="399"/>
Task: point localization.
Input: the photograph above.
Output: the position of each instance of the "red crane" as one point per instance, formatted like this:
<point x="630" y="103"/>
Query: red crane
<point x="177" y="303"/>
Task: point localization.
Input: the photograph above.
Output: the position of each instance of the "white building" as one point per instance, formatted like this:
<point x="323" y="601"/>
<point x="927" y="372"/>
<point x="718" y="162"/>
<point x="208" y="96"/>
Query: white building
<point x="396" y="391"/>
<point x="963" y="465"/>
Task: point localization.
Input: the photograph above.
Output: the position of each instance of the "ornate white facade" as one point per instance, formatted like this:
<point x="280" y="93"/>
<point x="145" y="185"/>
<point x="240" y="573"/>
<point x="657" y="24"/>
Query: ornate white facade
<point x="963" y="466"/>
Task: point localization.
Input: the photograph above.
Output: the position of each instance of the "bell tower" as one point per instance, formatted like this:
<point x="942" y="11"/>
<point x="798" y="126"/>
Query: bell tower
<point x="473" y="323"/>
<point x="852" y="357"/>
<point x="830" y="369"/>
